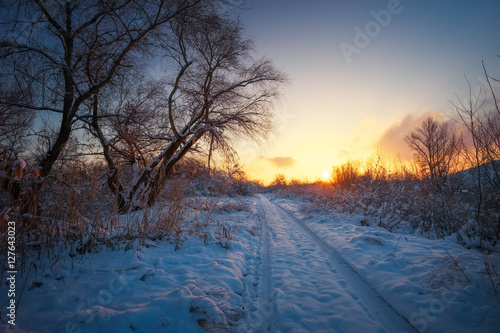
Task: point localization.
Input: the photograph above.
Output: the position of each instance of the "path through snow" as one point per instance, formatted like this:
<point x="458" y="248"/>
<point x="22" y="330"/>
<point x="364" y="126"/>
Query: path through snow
<point x="310" y="272"/>
<point x="306" y="287"/>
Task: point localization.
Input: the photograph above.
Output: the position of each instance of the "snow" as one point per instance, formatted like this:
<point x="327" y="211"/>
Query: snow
<point x="414" y="275"/>
<point x="281" y="270"/>
<point x="315" y="289"/>
<point x="19" y="163"/>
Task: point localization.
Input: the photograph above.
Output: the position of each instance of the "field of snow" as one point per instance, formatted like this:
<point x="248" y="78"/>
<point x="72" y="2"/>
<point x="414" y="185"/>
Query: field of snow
<point x="435" y="285"/>
<point x="261" y="264"/>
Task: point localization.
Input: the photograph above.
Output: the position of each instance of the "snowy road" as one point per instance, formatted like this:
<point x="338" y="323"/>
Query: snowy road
<point x="286" y="270"/>
<point x="306" y="287"/>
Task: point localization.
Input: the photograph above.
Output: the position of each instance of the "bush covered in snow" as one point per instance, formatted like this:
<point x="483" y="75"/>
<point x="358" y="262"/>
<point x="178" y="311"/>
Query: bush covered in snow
<point x="403" y="199"/>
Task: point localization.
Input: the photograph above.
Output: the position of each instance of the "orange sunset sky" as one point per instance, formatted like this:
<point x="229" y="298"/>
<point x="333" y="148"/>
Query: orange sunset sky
<point x="363" y="74"/>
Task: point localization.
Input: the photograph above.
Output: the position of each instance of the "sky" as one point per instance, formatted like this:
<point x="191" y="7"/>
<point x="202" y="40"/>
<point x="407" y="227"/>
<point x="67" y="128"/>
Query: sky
<point x="363" y="74"/>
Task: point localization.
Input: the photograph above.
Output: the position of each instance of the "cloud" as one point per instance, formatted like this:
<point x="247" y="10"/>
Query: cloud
<point x="282" y="162"/>
<point x="392" y="140"/>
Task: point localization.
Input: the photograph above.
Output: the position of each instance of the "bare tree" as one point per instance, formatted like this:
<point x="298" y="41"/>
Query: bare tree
<point x="14" y="125"/>
<point x="481" y="117"/>
<point x="217" y="93"/>
<point x="128" y="121"/>
<point x="60" y="54"/>
<point x="437" y="149"/>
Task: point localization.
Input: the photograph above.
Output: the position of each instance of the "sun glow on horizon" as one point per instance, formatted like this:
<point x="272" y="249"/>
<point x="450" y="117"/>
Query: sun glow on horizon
<point x="336" y="111"/>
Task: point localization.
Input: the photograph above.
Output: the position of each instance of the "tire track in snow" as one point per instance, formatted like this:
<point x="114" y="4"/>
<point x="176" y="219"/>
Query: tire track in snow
<point x="266" y="310"/>
<point x="312" y="288"/>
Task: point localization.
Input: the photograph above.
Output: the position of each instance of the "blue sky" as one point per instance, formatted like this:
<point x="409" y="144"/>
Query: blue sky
<point x="339" y="106"/>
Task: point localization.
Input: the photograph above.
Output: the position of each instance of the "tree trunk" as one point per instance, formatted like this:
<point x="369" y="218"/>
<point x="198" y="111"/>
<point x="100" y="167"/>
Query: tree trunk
<point x="210" y="153"/>
<point x="116" y="187"/>
<point x="114" y="182"/>
<point x="50" y="158"/>
<point x="166" y="168"/>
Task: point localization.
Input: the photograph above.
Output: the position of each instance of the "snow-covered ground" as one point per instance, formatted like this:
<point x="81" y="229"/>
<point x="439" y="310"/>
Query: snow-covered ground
<point x="435" y="285"/>
<point x="260" y="264"/>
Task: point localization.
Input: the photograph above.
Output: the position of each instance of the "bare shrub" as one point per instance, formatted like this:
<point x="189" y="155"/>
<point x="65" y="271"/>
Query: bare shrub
<point x="437" y="148"/>
<point x="347" y="173"/>
<point x="492" y="273"/>
<point x="160" y="221"/>
<point x="448" y="269"/>
<point x="481" y="117"/>
<point x="279" y="181"/>
<point x="400" y="198"/>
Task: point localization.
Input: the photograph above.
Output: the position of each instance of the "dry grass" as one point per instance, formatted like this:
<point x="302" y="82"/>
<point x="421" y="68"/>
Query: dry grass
<point x="78" y="217"/>
<point x="492" y="273"/>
